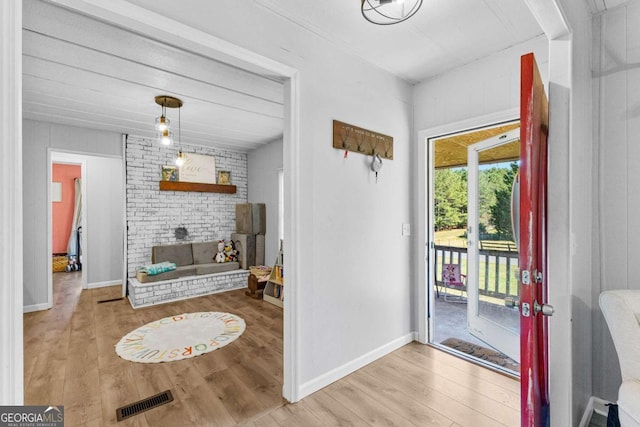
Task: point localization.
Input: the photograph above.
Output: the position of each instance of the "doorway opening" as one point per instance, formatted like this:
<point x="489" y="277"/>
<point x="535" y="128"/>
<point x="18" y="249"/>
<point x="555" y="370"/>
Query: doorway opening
<point x="67" y="213"/>
<point x="473" y="255"/>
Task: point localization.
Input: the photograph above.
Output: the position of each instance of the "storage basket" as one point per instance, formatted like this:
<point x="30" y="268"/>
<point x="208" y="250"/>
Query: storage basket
<point x="59" y="263"/>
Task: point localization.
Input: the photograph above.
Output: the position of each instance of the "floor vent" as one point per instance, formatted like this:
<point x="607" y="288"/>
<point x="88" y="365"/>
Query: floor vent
<point x="110" y="300"/>
<point x="144" y="405"/>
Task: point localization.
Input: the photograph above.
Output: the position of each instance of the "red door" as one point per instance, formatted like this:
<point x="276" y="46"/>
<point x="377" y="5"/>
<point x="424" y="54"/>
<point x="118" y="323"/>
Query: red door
<point x="534" y="361"/>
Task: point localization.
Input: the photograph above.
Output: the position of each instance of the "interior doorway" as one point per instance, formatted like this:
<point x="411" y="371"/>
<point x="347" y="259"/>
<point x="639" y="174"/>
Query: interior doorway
<point x="94" y="246"/>
<point x="67" y="213"/>
<point x="472" y="253"/>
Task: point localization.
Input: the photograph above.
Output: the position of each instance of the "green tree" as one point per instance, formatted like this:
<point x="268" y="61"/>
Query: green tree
<point x="450" y="199"/>
<point x="501" y="210"/>
<point x="490" y="182"/>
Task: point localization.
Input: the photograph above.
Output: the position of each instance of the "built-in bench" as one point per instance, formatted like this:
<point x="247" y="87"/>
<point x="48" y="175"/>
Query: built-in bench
<point x="160" y="292"/>
<point x="196" y="274"/>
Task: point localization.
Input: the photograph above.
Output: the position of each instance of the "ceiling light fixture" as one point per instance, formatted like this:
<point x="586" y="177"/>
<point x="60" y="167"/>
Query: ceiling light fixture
<point x="180" y="159"/>
<point x="388" y="12"/>
<point x="165" y="136"/>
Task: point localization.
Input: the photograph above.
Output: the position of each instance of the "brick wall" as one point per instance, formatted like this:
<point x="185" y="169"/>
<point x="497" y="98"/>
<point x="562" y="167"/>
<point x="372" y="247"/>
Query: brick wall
<point x="142" y="295"/>
<point x="153" y="215"/>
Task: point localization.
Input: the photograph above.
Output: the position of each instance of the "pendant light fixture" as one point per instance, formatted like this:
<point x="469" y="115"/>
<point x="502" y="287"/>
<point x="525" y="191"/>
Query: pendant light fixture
<point x="180" y="158"/>
<point x="165" y="136"/>
<point x="388" y="12"/>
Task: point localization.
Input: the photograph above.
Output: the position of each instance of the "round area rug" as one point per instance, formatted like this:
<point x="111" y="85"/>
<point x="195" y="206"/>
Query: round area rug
<point x="180" y="337"/>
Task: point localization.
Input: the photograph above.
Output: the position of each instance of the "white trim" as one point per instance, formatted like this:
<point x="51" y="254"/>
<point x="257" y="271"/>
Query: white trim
<point x="11" y="220"/>
<point x="125" y="231"/>
<point x="292" y="209"/>
<point x="595" y="404"/>
<point x="342" y="371"/>
<point x="96" y="285"/>
<point x="425" y="328"/>
<point x="152" y="24"/>
<point x="491" y="332"/>
<point x="36" y="307"/>
<point x="550" y="17"/>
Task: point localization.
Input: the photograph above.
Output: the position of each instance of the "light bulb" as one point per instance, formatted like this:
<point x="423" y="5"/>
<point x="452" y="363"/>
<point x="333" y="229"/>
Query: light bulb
<point x="180" y="159"/>
<point x="166" y="137"/>
<point x="162" y="124"/>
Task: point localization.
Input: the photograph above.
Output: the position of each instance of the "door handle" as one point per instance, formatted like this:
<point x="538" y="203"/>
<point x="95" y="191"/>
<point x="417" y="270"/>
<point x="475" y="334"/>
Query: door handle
<point x="511" y="302"/>
<point x="545" y="309"/>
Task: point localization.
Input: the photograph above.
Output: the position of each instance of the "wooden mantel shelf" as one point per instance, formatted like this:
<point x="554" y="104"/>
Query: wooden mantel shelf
<point x="196" y="186"/>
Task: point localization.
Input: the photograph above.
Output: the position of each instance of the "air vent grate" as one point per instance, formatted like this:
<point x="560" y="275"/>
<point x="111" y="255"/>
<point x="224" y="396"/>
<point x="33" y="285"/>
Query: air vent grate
<point x="110" y="300"/>
<point x="144" y="405"/>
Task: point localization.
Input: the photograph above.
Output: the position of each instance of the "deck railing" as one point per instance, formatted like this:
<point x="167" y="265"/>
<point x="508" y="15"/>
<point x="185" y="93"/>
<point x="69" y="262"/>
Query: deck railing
<point x="497" y="269"/>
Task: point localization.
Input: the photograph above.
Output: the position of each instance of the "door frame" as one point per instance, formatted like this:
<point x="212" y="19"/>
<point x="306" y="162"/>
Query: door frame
<point x="158" y="26"/>
<point x="564" y="134"/>
<point x="486" y="330"/>
<point x="56" y="155"/>
<point x="424" y="198"/>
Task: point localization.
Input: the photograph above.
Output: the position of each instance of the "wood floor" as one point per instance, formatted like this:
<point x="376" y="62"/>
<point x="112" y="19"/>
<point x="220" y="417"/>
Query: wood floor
<point x="70" y="360"/>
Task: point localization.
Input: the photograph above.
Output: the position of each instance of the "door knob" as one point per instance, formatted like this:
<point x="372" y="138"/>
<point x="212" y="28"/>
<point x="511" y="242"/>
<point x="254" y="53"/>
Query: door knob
<point x="545" y="309"/>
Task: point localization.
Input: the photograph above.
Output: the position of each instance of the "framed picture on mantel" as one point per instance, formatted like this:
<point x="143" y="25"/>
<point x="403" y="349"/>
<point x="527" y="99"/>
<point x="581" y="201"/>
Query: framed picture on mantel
<point x="198" y="168"/>
<point x="224" y="177"/>
<point x="169" y="173"/>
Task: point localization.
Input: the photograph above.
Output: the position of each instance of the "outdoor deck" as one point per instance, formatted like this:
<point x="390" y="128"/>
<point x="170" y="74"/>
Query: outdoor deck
<point x="498" y="269"/>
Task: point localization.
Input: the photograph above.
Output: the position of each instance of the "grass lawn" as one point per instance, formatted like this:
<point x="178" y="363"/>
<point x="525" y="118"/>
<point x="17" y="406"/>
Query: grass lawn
<point x="455" y="238"/>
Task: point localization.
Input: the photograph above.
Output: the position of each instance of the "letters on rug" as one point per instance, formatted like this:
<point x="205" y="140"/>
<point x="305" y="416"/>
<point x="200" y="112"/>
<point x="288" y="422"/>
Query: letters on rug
<point x="180" y="337"/>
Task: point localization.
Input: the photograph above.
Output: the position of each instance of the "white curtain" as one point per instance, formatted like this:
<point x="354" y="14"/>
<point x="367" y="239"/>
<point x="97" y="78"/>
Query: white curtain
<point x="72" y="247"/>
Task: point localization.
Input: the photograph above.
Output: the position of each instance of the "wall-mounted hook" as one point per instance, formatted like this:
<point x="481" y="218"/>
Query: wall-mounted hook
<point x="376" y="165"/>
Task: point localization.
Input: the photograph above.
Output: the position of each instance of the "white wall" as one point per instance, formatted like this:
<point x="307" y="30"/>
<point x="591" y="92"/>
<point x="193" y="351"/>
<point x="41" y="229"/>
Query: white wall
<point x="104" y="233"/>
<point x="616" y="79"/>
<point x="356" y="266"/>
<point x="483" y="87"/>
<point x="38" y="137"/>
<point x="264" y="165"/>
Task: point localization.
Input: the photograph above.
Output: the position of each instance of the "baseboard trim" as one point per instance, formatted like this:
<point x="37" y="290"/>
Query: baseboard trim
<point x="103" y="284"/>
<point x="595" y="404"/>
<point x="36" y="307"/>
<point x="342" y="371"/>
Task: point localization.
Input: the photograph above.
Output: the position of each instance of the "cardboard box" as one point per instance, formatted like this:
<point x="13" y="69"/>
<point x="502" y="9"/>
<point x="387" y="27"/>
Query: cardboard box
<point x="251" y="218"/>
<point x="260" y="242"/>
<point x="246" y="245"/>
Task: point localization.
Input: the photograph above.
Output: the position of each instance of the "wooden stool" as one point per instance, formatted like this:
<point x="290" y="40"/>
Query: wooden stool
<point x="255" y="287"/>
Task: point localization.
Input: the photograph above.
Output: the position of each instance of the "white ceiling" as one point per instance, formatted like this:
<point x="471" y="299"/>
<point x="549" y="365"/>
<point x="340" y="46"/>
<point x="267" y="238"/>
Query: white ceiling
<point x="442" y="35"/>
<point x="82" y="72"/>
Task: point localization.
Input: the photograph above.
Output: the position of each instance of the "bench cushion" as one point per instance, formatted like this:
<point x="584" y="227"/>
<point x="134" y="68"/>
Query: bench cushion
<point x="204" y="252"/>
<point x="186" y="270"/>
<point x="180" y="254"/>
<point x="215" y="267"/>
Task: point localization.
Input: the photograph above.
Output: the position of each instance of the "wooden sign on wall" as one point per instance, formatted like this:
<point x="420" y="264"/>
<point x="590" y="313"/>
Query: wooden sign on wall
<point x="198" y="168"/>
<point x="363" y="141"/>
